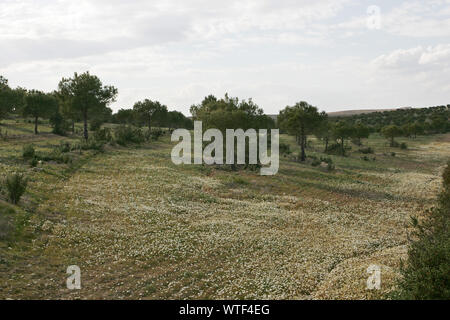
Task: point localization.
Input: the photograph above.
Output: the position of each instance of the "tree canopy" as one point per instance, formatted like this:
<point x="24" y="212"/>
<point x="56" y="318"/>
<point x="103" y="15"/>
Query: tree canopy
<point x="39" y="104"/>
<point x="301" y="120"/>
<point x="86" y="95"/>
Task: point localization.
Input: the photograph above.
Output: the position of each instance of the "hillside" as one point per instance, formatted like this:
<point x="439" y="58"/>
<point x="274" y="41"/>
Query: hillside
<point x="140" y="227"/>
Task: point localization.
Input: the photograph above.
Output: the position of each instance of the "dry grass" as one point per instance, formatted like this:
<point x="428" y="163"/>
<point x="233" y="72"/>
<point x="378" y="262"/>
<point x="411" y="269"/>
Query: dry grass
<point x="140" y="227"/>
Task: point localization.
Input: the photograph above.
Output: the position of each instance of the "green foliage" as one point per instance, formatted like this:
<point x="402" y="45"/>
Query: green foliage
<point x="148" y="111"/>
<point x="28" y="151"/>
<point x="86" y="96"/>
<point x="366" y="150"/>
<point x="285" y="149"/>
<point x="39" y="105"/>
<point x="58" y="124"/>
<point x="360" y="131"/>
<point x="230" y="113"/>
<point x="96" y="124"/>
<point x="391" y="132"/>
<point x="155" y="134"/>
<point x="11" y="100"/>
<point x="413" y="121"/>
<point x="103" y="134"/>
<point x="342" y="131"/>
<point x="16" y="184"/>
<point x="426" y="274"/>
<point x="125" y="135"/>
<point x="301" y="120"/>
<point x="403" y="146"/>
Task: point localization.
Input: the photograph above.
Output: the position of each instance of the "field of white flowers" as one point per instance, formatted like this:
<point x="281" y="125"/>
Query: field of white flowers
<point x="140" y="227"/>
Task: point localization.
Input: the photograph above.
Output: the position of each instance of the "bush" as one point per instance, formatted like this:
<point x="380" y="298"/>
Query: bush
<point x="95" y="124"/>
<point x="403" y="146"/>
<point x="34" y="162"/>
<point x="285" y="149"/>
<point x="426" y="274"/>
<point x="155" y="134"/>
<point x="16" y="184"/>
<point x="103" y="134"/>
<point x="28" y="151"/>
<point x="65" y="146"/>
<point x="126" y="134"/>
<point x="58" y="124"/>
<point x="366" y="150"/>
<point x="316" y="162"/>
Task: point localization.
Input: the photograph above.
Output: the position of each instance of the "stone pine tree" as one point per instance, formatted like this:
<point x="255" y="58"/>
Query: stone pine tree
<point x="39" y="105"/>
<point x="148" y="111"/>
<point x="87" y="96"/>
<point x="300" y="120"/>
<point x="391" y="132"/>
<point x="11" y="100"/>
<point x="342" y="131"/>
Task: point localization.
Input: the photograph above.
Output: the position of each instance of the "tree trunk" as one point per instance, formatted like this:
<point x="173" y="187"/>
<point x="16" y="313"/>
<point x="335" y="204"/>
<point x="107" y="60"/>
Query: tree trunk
<point x="73" y="126"/>
<point x="326" y="144"/>
<point x="149" y="124"/>
<point x="35" y="125"/>
<point x="302" y="141"/>
<point x="85" y="130"/>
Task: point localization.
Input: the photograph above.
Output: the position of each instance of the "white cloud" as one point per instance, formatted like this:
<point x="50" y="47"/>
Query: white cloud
<point x="277" y="52"/>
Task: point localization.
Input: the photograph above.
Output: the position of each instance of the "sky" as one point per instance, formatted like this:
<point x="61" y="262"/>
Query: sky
<point x="334" y="54"/>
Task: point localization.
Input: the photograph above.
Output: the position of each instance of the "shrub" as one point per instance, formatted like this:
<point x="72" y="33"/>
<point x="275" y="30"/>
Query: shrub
<point x="403" y="146"/>
<point x="28" y="151"/>
<point x="92" y="144"/>
<point x="393" y="154"/>
<point x="16" y="184"/>
<point x="316" y="162"/>
<point x="58" y="124"/>
<point x="95" y="124"/>
<point x="34" y="162"/>
<point x="156" y="134"/>
<point x="336" y="149"/>
<point x="103" y="134"/>
<point x="330" y="167"/>
<point x="126" y="134"/>
<point x="426" y="274"/>
<point x="65" y="146"/>
<point x="326" y="160"/>
<point x="285" y="149"/>
<point x="366" y="150"/>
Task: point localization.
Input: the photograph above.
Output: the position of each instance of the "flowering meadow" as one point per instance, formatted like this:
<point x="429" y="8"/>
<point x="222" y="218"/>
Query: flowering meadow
<point x="140" y="227"/>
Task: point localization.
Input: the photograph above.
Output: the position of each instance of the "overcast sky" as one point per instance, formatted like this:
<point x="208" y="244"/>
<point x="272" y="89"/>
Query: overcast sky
<point x="335" y="54"/>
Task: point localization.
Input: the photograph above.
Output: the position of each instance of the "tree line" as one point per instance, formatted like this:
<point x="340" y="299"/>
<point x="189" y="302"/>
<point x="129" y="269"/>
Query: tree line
<point x="303" y="119"/>
<point x="84" y="98"/>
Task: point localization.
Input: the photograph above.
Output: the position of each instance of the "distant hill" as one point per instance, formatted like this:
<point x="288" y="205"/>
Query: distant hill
<point x="363" y="111"/>
<point x="348" y="113"/>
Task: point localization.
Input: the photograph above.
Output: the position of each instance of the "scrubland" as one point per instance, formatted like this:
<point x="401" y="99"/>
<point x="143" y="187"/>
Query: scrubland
<point x="139" y="226"/>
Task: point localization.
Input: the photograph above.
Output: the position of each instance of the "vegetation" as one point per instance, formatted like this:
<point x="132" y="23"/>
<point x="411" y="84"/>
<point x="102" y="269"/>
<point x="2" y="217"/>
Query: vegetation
<point x="426" y="274"/>
<point x="86" y="96"/>
<point x="39" y="105"/>
<point x="301" y="120"/>
<point x="16" y="184"/>
<point x="166" y="231"/>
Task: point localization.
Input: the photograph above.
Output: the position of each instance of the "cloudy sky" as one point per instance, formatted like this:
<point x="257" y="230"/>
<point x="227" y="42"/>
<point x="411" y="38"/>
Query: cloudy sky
<point x="335" y="54"/>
